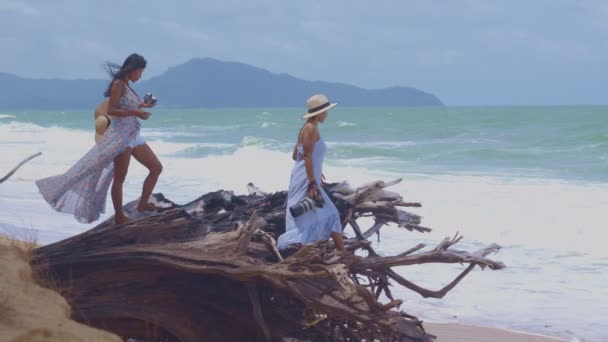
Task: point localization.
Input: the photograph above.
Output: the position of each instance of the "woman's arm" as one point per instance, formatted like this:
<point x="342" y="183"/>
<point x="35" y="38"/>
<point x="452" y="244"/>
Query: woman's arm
<point x="308" y="144"/>
<point x="295" y="152"/>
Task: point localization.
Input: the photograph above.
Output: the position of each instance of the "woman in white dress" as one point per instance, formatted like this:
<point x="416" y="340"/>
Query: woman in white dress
<point x="321" y="222"/>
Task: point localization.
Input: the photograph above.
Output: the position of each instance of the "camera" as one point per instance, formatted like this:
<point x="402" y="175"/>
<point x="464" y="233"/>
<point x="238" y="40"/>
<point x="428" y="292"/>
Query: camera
<point x="306" y="204"/>
<point x="149" y="99"/>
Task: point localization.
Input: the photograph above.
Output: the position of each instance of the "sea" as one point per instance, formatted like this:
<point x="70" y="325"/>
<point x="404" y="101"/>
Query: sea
<point x="531" y="179"/>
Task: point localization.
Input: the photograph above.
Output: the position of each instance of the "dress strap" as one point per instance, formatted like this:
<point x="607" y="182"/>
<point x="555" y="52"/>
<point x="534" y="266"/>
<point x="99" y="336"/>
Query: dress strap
<point x="300" y="135"/>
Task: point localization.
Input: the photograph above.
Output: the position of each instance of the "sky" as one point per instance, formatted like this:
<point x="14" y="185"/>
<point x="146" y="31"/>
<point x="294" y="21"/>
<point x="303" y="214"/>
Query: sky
<point x="467" y="52"/>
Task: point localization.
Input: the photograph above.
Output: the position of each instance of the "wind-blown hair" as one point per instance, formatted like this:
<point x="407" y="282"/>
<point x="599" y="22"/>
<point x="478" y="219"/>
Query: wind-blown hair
<point x="133" y="62"/>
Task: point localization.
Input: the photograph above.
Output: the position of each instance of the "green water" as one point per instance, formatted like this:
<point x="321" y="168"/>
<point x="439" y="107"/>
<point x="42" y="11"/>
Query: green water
<point x="549" y="142"/>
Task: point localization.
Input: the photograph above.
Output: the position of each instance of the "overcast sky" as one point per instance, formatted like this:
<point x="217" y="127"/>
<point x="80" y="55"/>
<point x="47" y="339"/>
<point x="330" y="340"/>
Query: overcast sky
<point x="467" y="52"/>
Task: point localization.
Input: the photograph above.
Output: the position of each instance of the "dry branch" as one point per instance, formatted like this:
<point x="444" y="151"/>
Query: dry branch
<point x="11" y="172"/>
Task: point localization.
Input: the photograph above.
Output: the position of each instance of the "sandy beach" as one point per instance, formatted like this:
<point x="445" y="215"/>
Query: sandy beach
<point x="29" y="312"/>
<point x="467" y="333"/>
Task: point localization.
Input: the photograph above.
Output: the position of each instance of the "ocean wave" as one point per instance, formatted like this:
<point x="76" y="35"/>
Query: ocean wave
<point x="389" y="144"/>
<point x="212" y="128"/>
<point x="29" y="133"/>
<point x="361" y="162"/>
<point x="163" y="147"/>
<point x="481" y="141"/>
<point x="205" y="149"/>
<point x="570" y="254"/>
<point x="387" y="149"/>
<point x="21" y="126"/>
<point x="267" y="143"/>
<point x="486" y="154"/>
<point x="346" y="124"/>
<point x="267" y="124"/>
<point x="167" y="134"/>
<point x="6" y="116"/>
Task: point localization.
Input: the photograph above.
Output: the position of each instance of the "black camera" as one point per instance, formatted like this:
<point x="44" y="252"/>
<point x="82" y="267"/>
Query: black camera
<point x="149" y="99"/>
<point x="306" y="204"/>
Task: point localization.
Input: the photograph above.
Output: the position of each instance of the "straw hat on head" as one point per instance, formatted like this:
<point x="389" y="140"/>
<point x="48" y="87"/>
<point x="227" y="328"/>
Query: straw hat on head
<point x="102" y="120"/>
<point x="317" y="104"/>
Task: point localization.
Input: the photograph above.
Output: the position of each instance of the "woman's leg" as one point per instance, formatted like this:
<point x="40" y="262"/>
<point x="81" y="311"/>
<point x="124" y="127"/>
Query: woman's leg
<point x="145" y="155"/>
<point x="121" y="166"/>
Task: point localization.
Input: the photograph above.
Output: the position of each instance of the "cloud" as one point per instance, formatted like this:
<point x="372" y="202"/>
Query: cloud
<point x="184" y="31"/>
<point x="18" y="7"/>
<point x="457" y="48"/>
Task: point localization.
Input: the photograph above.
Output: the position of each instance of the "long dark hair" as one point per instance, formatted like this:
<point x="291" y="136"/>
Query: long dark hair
<point x="133" y="62"/>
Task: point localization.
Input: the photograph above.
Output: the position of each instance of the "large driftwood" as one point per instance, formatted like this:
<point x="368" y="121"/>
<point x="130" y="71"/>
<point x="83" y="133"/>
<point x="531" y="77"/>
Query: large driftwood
<point x="210" y="271"/>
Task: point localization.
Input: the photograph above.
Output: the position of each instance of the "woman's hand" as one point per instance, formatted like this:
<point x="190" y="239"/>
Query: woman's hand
<point x="313" y="190"/>
<point x="142" y="114"/>
<point x="145" y="105"/>
<point x="313" y="193"/>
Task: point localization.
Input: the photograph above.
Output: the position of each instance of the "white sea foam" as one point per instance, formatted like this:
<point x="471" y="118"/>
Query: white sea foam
<point x="214" y="128"/>
<point x="267" y="124"/>
<point x="346" y="124"/>
<point x="261" y="142"/>
<point x="163" y="134"/>
<point x="529" y="210"/>
<point x="6" y="116"/>
<point x="161" y="147"/>
<point x="380" y="144"/>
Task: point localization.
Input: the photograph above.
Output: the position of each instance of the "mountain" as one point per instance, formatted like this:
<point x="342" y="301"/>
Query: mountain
<point x="22" y="93"/>
<point x="205" y="83"/>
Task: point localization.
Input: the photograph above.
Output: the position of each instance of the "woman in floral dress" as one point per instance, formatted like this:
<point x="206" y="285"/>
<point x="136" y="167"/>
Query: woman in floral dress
<point x="82" y="190"/>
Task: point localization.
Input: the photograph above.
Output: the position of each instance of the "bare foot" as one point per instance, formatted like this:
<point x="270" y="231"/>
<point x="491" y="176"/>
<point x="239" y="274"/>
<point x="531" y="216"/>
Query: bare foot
<point x="146" y="206"/>
<point x="122" y="219"/>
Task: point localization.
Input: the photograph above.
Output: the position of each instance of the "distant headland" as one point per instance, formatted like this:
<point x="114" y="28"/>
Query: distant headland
<point x="205" y="83"/>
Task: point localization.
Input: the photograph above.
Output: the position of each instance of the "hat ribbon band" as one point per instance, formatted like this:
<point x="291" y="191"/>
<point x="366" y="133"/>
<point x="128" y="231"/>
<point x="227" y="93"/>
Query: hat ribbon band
<point x="318" y="108"/>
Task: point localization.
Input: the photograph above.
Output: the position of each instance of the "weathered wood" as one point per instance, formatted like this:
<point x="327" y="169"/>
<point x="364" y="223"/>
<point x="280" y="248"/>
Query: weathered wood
<point x="246" y="232"/>
<point x="209" y="270"/>
<point x="407" y="204"/>
<point x="428" y="293"/>
<point x="412" y="250"/>
<point x="441" y="255"/>
<point x="11" y="172"/>
<point x="356" y="229"/>
<point x="374" y="229"/>
<point x="257" y="312"/>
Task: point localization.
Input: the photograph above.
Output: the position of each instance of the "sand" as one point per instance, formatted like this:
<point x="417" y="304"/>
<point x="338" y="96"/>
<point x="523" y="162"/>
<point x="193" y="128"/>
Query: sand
<point x="29" y="312"/>
<point x="467" y="333"/>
